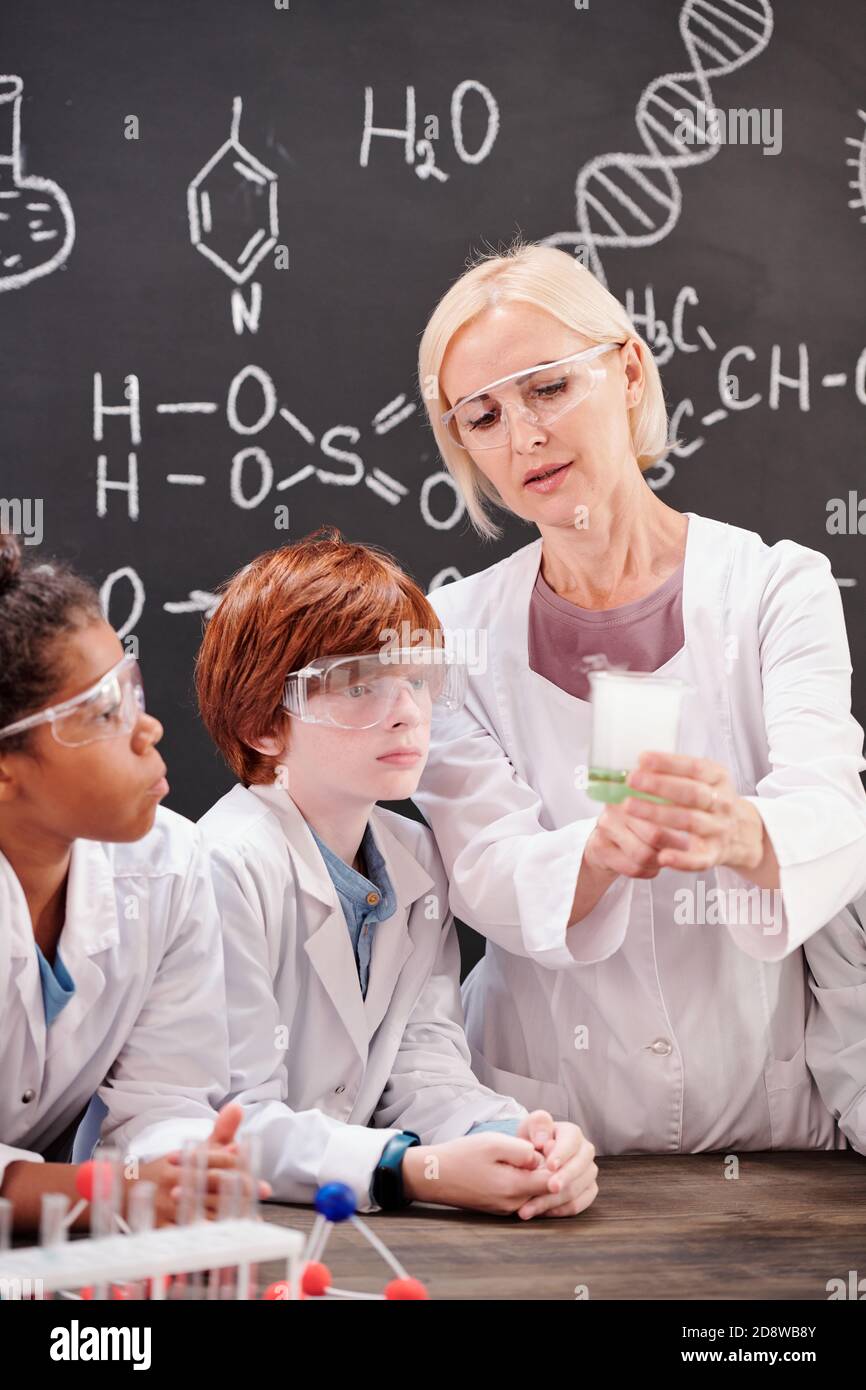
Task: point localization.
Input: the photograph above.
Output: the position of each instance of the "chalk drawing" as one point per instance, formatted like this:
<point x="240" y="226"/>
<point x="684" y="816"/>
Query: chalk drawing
<point x="234" y="248"/>
<point x="37" y="228"/>
<point x="858" y="182"/>
<point x="628" y="199"/>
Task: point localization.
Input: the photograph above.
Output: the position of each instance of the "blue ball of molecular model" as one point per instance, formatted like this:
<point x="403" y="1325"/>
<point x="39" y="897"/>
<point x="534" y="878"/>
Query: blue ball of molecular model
<point x="335" y="1201"/>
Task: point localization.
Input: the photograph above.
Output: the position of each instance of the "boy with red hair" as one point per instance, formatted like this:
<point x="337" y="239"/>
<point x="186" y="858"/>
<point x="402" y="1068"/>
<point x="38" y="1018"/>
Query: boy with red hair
<point x="342" y="962"/>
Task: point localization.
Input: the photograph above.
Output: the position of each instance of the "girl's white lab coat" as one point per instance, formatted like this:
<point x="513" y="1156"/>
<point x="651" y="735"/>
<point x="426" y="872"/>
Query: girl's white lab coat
<point x="145" y="1029"/>
<point x="652" y="1034"/>
<point x="326" y="1075"/>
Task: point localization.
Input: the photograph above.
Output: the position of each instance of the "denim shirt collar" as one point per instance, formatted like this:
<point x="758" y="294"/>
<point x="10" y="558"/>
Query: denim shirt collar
<point x="355" y="886"/>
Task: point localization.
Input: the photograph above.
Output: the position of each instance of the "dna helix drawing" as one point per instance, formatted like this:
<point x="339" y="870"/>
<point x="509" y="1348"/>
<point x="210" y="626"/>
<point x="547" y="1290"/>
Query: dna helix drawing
<point x="628" y="199"/>
<point x="859" y="165"/>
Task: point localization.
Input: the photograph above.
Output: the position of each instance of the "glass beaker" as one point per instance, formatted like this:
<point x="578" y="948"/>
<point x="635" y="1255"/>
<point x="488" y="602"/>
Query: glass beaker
<point x="632" y="712"/>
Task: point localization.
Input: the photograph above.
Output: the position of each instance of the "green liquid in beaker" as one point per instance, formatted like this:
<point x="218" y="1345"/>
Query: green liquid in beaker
<point x="607" y="784"/>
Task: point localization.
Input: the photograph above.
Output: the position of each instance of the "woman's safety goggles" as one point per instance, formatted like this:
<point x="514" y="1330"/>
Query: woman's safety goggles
<point x="541" y="395"/>
<point x="358" y="692"/>
<point x="110" y="707"/>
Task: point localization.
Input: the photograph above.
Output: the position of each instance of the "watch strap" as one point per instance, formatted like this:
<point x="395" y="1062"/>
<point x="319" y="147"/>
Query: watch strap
<point x="387" y="1186"/>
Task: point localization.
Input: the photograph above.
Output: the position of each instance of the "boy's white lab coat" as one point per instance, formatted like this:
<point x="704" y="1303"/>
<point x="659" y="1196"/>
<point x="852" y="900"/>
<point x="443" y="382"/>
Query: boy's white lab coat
<point x="302" y="1036"/>
<point x="653" y="1034"/>
<point x="145" y="1029"/>
<point x="836" y="1025"/>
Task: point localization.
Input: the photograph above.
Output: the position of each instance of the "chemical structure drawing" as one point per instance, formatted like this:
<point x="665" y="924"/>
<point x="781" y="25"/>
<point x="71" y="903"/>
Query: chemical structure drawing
<point x="235" y="233"/>
<point x="37" y="227"/>
<point x="858" y="182"/>
<point x="627" y="199"/>
<point x="253" y="479"/>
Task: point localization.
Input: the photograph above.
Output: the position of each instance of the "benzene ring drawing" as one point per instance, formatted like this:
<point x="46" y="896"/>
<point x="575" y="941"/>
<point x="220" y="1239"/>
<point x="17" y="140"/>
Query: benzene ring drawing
<point x="234" y="234"/>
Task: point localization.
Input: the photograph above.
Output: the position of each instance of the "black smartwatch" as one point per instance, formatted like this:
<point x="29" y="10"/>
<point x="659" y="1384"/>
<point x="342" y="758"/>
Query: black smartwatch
<point x="386" y="1188"/>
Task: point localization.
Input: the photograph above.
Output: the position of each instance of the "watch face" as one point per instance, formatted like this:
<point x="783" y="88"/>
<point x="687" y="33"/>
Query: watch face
<point x="391" y="1182"/>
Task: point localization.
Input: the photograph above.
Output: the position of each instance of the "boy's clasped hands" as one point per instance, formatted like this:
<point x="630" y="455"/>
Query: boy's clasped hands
<point x="547" y="1169"/>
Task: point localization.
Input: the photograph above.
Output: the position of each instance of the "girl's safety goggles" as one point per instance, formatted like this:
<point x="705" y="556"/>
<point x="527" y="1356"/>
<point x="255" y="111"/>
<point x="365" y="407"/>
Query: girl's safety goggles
<point x="541" y="395"/>
<point x="358" y="692"/>
<point x="110" y="707"/>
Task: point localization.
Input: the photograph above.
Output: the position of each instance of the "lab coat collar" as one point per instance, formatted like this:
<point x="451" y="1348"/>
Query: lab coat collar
<point x="311" y="875"/>
<point x="328" y="945"/>
<point x="709" y="558"/>
<point x="91" y="922"/>
<point x="410" y="880"/>
<point x="392" y="944"/>
<point x="91" y="926"/>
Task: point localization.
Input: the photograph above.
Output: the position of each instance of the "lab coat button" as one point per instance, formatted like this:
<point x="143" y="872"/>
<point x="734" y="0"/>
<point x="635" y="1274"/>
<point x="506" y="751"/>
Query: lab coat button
<point x="338" y="1090"/>
<point x="661" y="1046"/>
<point x="27" y="1096"/>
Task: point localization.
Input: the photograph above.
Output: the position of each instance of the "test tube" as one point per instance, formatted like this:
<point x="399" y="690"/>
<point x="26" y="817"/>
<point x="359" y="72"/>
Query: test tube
<point x="140" y="1217"/>
<point x="5" y="1223"/>
<point x="141" y="1207"/>
<point x="193" y="1176"/>
<point x="5" y="1227"/>
<point x="52" y="1218"/>
<point x="250" y="1163"/>
<point x="249" y="1166"/>
<point x="193" y="1172"/>
<point x="52" y="1222"/>
<point x="105" y="1200"/>
<point x="223" y="1283"/>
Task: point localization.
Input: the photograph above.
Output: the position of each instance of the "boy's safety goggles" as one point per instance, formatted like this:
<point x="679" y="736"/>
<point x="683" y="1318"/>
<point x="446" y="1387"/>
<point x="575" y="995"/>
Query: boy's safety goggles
<point x="110" y="707"/>
<point x="358" y="692"/>
<point x="541" y="395"/>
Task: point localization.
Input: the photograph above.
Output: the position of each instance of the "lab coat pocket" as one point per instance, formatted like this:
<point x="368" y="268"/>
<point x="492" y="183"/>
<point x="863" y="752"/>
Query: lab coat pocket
<point x="842" y="1008"/>
<point x="789" y="1095"/>
<point x="535" y="1095"/>
<point x="836" y="1049"/>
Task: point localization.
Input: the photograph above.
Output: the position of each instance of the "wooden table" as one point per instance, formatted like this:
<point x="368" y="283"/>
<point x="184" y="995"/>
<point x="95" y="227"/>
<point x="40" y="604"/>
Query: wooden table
<point x="661" y="1228"/>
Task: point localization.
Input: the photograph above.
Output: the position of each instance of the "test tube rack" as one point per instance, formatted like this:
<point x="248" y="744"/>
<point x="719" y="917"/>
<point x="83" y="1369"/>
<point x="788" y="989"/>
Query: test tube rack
<point x="169" y="1250"/>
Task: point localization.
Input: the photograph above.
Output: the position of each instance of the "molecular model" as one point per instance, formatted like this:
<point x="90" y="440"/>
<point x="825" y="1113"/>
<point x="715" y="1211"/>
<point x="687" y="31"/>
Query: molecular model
<point x="335" y="1203"/>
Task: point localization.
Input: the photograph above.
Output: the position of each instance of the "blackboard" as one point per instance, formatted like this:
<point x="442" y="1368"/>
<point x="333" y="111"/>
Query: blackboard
<point x="281" y="282"/>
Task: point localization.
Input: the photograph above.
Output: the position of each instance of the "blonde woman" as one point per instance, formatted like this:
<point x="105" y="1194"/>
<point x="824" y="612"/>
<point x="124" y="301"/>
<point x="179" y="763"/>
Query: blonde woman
<point x="629" y="983"/>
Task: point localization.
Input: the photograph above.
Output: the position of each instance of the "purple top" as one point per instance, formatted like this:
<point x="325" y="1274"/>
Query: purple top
<point x="642" y="635"/>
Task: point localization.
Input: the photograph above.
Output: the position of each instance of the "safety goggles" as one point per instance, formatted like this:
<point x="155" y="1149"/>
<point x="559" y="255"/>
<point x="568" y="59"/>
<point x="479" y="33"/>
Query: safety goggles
<point x="358" y="692"/>
<point x="543" y="395"/>
<point x="110" y="707"/>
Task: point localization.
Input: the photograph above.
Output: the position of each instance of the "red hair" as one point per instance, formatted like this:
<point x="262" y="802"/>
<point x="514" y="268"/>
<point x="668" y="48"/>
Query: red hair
<point x="322" y="596"/>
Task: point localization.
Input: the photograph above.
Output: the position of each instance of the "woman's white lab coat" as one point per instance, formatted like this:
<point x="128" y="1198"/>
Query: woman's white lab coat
<point x="655" y="1035"/>
<point x="326" y="1075"/>
<point x="836" y="1025"/>
<point x="145" y="1029"/>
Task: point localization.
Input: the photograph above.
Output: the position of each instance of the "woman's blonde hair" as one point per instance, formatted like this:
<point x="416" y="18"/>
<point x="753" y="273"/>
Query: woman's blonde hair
<point x="556" y="282"/>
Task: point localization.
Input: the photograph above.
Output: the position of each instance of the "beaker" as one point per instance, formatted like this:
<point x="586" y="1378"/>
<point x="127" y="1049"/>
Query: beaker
<point x="632" y="712"/>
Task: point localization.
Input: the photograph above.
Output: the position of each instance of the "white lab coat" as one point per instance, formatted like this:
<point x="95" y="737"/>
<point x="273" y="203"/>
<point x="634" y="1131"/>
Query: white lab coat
<point x="145" y="1030"/>
<point x="325" y="1075"/>
<point x="836" y="1024"/>
<point x="652" y="1035"/>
